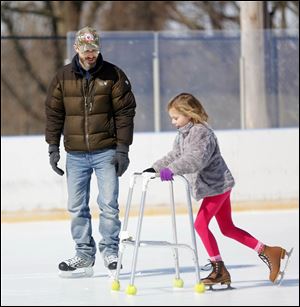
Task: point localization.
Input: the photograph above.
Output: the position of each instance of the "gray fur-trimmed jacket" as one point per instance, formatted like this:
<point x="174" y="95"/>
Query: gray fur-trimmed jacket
<point x="196" y="154"/>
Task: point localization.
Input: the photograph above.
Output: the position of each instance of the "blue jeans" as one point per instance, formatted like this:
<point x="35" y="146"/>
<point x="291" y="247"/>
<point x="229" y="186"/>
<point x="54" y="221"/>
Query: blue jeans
<point x="80" y="167"/>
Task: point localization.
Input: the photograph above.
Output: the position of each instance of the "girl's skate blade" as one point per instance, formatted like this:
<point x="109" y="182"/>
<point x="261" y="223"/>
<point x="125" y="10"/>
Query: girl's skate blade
<point x="283" y="271"/>
<point x="220" y="287"/>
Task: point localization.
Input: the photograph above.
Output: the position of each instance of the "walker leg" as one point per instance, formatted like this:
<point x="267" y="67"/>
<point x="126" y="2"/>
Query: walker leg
<point x="192" y="229"/>
<point x="138" y="234"/>
<point x="174" y="231"/>
<point x="124" y="229"/>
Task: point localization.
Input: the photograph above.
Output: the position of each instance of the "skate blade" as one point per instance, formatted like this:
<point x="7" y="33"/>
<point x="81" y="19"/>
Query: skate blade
<point x="219" y="287"/>
<point x="79" y="273"/>
<point x="281" y="274"/>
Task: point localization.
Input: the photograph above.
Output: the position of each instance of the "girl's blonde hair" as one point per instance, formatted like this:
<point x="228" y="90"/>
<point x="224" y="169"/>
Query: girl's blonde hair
<point x="189" y="106"/>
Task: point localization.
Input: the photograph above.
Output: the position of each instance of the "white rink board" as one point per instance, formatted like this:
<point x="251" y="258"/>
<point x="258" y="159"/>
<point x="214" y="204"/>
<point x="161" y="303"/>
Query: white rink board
<point x="264" y="163"/>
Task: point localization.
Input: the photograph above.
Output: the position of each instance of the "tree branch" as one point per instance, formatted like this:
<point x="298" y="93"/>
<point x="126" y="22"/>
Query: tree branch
<point x="25" y="10"/>
<point x="53" y="22"/>
<point x="21" y="102"/>
<point x="22" y="54"/>
<point x="176" y="15"/>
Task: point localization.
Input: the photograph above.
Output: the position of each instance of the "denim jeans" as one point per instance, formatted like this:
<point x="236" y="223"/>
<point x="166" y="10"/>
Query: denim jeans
<point x="80" y="167"/>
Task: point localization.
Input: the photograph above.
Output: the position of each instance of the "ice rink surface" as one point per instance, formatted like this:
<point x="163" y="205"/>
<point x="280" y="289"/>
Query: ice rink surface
<point x="30" y="253"/>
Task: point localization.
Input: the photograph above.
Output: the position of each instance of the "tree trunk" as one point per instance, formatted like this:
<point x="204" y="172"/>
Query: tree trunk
<point x="253" y="98"/>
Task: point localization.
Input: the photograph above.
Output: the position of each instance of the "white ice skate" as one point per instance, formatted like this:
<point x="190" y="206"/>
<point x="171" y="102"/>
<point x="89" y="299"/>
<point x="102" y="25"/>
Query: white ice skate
<point x="76" y="267"/>
<point x="111" y="262"/>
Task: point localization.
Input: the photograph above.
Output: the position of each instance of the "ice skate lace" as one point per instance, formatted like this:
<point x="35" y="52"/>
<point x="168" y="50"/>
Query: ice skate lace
<point x="207" y="266"/>
<point x="215" y="269"/>
<point x="76" y="262"/>
<point x="266" y="260"/>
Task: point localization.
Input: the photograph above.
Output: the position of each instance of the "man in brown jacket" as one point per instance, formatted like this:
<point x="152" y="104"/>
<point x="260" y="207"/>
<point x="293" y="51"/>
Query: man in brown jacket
<point x="90" y="102"/>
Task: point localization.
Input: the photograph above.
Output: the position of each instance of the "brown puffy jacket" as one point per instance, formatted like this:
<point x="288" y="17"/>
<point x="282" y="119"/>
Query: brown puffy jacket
<point x="91" y="114"/>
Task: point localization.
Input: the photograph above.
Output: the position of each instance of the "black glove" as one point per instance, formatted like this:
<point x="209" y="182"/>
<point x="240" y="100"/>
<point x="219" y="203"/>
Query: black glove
<point x="54" y="158"/>
<point x="149" y="170"/>
<point x="121" y="160"/>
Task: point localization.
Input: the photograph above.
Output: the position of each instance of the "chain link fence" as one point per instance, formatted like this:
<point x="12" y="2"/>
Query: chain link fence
<point x="159" y="65"/>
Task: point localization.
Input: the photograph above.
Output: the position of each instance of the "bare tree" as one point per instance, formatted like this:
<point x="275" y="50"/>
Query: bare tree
<point x="158" y="15"/>
<point x="135" y="15"/>
<point x="279" y="10"/>
<point x="32" y="62"/>
<point x="27" y="64"/>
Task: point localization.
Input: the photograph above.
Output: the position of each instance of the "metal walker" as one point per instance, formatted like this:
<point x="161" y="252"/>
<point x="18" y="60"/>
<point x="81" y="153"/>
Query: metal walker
<point x="125" y="239"/>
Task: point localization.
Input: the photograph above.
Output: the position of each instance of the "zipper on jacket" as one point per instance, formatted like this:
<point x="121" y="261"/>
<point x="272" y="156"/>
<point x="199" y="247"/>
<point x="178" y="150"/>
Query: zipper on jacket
<point x="91" y="94"/>
<point x="86" y="114"/>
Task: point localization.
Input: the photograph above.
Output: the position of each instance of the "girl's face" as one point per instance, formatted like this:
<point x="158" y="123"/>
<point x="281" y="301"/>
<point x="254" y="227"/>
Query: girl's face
<point x="178" y="120"/>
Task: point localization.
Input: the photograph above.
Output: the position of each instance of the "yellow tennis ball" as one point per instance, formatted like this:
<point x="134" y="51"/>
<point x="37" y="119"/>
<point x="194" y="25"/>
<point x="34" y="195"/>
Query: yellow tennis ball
<point x="200" y="287"/>
<point x="131" y="290"/>
<point x="178" y="283"/>
<point x="115" y="286"/>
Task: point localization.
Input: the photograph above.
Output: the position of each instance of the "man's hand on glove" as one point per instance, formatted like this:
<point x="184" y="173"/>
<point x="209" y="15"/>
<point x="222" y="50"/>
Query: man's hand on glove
<point x="121" y="160"/>
<point x="54" y="158"/>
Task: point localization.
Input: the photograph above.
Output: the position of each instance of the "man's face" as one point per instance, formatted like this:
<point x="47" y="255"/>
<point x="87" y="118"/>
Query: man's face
<point x="88" y="57"/>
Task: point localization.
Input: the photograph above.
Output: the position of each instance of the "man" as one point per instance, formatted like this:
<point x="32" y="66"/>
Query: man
<point x="91" y="103"/>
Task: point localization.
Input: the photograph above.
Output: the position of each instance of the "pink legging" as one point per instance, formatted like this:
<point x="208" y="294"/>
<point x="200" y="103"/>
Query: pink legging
<point x="220" y="207"/>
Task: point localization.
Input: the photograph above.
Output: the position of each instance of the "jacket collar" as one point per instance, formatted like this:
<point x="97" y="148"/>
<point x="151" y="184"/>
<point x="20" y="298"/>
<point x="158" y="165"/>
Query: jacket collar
<point x="185" y="129"/>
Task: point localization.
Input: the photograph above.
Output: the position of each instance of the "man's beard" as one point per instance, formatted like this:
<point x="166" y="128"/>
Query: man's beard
<point x="86" y="65"/>
<point x="89" y="66"/>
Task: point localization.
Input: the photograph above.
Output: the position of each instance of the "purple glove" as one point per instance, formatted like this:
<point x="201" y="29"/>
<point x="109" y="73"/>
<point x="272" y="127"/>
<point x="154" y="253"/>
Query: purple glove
<point x="166" y="174"/>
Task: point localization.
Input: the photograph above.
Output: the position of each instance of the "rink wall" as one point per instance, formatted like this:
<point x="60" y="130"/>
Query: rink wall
<point x="264" y="163"/>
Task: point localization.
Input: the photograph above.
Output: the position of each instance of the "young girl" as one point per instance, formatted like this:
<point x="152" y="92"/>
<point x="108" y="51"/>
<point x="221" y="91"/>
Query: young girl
<point x="196" y="154"/>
